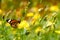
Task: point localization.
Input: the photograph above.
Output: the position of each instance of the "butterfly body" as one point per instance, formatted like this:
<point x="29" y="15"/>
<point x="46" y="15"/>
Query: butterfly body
<point x="13" y="23"/>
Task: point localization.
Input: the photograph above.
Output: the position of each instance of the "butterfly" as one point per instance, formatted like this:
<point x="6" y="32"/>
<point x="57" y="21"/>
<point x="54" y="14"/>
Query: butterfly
<point x="13" y="22"/>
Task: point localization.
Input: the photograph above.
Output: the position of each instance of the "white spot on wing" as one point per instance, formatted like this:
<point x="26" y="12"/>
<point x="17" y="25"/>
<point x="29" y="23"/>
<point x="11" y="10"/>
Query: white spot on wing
<point x="9" y="20"/>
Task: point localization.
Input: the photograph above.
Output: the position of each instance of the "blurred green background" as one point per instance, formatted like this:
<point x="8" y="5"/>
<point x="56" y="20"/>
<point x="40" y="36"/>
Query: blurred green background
<point x="40" y="19"/>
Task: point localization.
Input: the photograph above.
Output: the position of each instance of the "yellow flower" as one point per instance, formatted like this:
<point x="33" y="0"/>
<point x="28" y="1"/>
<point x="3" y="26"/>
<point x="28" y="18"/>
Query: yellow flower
<point x="0" y="22"/>
<point x="23" y="24"/>
<point x="30" y="14"/>
<point x="7" y="24"/>
<point x="38" y="29"/>
<point x="36" y="16"/>
<point x="54" y="8"/>
<point x="20" y="26"/>
<point x="0" y="11"/>
<point x="58" y="32"/>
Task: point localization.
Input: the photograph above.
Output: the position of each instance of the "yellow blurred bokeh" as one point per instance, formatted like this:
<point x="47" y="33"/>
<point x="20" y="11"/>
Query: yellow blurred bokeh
<point x="54" y="8"/>
<point x="57" y="31"/>
<point x="1" y="22"/>
<point x="23" y="24"/>
<point x="38" y="29"/>
<point x="1" y="11"/>
<point x="7" y="24"/>
<point x="30" y="14"/>
<point x="35" y="17"/>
